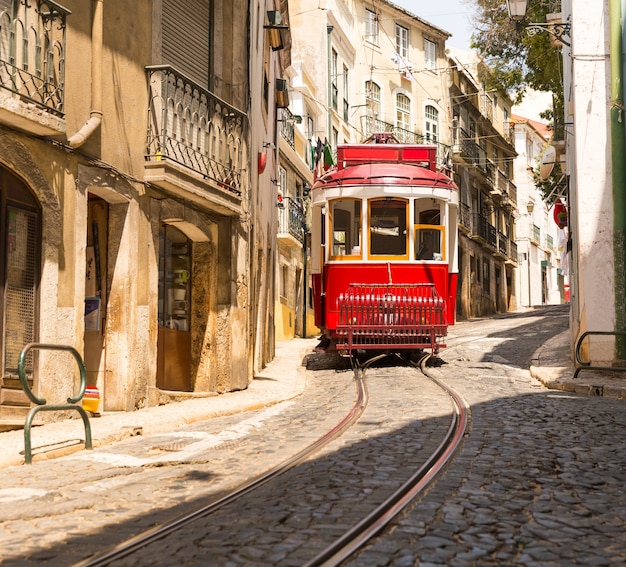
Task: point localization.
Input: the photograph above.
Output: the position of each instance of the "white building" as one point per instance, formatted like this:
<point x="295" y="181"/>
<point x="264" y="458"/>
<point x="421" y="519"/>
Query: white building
<point x="540" y="278"/>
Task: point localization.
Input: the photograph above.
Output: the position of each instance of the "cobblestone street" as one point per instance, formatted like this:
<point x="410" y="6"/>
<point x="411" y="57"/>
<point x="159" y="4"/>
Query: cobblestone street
<point x="538" y="480"/>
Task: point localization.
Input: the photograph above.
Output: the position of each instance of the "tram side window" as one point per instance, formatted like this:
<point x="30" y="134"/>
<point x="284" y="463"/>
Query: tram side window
<point x="388" y="221"/>
<point x="429" y="236"/>
<point x="346" y="227"/>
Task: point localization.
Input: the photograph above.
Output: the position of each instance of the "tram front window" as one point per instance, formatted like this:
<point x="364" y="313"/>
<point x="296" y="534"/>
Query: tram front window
<point x="346" y="227"/>
<point x="388" y="218"/>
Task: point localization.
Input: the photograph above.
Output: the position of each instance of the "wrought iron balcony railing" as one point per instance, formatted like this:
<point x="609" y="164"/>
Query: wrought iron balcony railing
<point x="191" y="126"/>
<point x="286" y="120"/>
<point x="291" y="219"/>
<point x="32" y="52"/>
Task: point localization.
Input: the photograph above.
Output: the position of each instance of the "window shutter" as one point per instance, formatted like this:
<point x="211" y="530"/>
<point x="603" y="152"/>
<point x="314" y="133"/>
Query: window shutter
<point x="185" y="27"/>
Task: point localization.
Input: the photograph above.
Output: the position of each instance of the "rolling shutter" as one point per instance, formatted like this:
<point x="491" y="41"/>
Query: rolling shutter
<point x="186" y="38"/>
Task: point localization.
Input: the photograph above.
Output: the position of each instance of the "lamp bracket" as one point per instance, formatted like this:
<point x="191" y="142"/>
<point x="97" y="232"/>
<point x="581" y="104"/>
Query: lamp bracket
<point x="558" y="30"/>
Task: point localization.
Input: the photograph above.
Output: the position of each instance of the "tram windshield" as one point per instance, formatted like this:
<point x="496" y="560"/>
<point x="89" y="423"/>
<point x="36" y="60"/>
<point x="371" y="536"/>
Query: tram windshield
<point x="388" y="224"/>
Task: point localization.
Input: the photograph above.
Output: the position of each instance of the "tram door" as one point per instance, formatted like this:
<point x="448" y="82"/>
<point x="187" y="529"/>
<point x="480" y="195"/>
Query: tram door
<point x="174" y="340"/>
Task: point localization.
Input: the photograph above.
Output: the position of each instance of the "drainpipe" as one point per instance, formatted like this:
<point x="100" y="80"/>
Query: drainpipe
<point x="95" y="117"/>
<point x="329" y="29"/>
<point x="618" y="156"/>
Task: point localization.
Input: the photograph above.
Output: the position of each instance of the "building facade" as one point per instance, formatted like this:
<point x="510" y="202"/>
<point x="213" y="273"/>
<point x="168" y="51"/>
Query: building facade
<point x="483" y="155"/>
<point x="540" y="278"/>
<point x="135" y="222"/>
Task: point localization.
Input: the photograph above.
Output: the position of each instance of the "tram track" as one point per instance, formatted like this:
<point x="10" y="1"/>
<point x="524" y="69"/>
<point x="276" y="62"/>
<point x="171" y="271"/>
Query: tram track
<point x="354" y="538"/>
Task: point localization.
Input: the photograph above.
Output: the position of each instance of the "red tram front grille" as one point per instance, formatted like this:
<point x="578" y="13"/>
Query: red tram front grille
<point x="391" y="317"/>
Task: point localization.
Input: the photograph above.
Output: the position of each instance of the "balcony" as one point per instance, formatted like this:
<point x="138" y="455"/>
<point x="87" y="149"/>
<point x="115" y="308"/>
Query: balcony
<point x="465" y="217"/>
<point x="484" y="230"/>
<point x="535" y="234"/>
<point x="32" y="66"/>
<point x="196" y="145"/>
<point x="291" y="222"/>
<point x="287" y="130"/>
<point x="513" y="252"/>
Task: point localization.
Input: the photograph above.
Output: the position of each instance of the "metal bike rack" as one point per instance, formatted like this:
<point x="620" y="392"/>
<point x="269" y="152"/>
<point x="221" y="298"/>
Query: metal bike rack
<point x="41" y="402"/>
<point x="586" y="365"/>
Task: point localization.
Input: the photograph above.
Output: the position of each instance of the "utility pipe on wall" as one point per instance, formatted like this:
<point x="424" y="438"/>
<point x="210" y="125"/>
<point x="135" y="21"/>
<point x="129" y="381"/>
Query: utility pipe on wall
<point x="618" y="155"/>
<point x="95" y="117"/>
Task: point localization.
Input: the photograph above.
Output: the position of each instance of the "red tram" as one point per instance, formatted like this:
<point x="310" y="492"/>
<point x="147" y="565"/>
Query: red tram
<point x="384" y="249"/>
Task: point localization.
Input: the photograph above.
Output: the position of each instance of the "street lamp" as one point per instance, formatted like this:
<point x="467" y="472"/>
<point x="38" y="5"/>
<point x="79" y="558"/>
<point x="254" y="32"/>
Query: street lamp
<point x="517" y="12"/>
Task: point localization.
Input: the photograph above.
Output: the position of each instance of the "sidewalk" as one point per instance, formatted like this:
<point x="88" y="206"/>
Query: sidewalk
<point x="280" y="380"/>
<point x="554" y="367"/>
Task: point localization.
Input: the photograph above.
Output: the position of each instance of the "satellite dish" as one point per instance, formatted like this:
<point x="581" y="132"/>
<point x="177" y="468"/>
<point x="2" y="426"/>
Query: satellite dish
<point x="547" y="163"/>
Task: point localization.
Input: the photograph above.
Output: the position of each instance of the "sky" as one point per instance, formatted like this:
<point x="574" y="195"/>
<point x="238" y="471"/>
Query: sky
<point x="454" y="16"/>
<point x="450" y="15"/>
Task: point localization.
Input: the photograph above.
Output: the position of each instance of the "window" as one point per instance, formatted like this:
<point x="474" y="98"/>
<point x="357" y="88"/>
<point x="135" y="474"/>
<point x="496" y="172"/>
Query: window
<point x="432" y="124"/>
<point x="429" y="234"/>
<point x="403" y="112"/>
<point x="334" y="88"/>
<point x="371" y="27"/>
<point x="388" y="224"/>
<point x="402" y="41"/>
<point x="282" y="182"/>
<point x="430" y="54"/>
<point x="372" y="98"/>
<point x="284" y="278"/>
<point x="346" y="106"/>
<point x="345" y="218"/>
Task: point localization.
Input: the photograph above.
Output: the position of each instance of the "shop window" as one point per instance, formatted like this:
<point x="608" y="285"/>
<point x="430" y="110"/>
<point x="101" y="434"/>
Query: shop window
<point x="174" y="279"/>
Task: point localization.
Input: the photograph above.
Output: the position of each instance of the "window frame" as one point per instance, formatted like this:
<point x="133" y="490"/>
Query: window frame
<point x="372" y="255"/>
<point x="372" y="28"/>
<point x="430" y="54"/>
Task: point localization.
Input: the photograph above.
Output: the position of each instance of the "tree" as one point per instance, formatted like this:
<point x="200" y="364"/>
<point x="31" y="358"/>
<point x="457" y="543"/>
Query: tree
<point x="518" y="60"/>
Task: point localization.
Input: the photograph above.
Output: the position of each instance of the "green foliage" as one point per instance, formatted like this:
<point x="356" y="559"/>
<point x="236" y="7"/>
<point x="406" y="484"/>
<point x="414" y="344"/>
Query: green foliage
<point x="518" y="60"/>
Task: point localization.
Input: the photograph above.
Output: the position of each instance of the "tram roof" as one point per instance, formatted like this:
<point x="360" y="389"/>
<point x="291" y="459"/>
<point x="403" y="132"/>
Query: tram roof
<point x="383" y="160"/>
<point x="385" y="174"/>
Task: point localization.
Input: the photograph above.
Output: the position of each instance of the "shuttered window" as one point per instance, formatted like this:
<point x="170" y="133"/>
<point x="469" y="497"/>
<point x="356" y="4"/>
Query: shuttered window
<point x="185" y="27"/>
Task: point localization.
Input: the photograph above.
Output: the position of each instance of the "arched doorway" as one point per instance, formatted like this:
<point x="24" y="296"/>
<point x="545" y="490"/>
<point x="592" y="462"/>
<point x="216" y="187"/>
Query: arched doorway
<point x="20" y="237"/>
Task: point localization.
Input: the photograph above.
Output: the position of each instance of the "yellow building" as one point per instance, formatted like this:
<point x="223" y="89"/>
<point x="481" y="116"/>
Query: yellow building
<point x="129" y="194"/>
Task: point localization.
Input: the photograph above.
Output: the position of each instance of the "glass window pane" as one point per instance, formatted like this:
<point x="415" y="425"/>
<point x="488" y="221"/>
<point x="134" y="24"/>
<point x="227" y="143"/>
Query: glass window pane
<point x="345" y="227"/>
<point x="387" y="232"/>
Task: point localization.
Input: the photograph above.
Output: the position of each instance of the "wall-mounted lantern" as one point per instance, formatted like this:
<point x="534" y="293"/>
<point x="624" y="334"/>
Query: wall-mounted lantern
<point x="555" y="27"/>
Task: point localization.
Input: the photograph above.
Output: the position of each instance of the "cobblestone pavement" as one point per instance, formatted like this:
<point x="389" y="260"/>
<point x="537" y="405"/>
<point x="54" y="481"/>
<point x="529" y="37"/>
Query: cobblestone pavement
<point x="538" y="481"/>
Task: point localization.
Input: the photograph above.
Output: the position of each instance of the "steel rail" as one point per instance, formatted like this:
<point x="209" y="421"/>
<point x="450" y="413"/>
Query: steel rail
<point x="138" y="542"/>
<point x="370" y="526"/>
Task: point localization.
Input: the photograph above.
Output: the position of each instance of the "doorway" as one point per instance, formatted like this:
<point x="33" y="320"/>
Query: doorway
<point x="20" y="237"/>
<point x="174" y="335"/>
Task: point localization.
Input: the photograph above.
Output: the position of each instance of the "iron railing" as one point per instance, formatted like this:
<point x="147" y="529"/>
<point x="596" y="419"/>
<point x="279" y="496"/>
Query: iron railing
<point x="32" y="53"/>
<point x="191" y="126"/>
<point x="287" y="130"/>
<point x="291" y="219"/>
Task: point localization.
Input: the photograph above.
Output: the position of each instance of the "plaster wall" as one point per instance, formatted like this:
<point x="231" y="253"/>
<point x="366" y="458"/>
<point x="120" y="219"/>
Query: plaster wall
<point x="591" y="183"/>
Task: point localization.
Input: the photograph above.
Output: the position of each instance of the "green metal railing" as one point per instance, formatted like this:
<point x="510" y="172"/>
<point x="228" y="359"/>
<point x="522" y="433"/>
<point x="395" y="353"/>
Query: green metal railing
<point x="41" y="402"/>
<point x="586" y="364"/>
